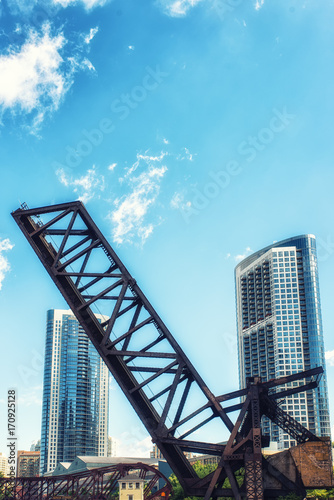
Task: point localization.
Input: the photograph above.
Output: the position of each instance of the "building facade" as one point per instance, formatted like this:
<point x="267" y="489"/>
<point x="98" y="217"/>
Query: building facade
<point x="36" y="445"/>
<point x="280" y="327"/>
<point x="4" y="467"/>
<point x="131" y="487"/>
<point x="111" y="451"/>
<point x="75" y="393"/>
<point x="28" y="463"/>
<point x="156" y="453"/>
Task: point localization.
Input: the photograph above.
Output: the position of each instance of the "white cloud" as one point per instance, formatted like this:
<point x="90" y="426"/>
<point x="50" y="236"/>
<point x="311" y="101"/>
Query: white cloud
<point x="30" y="75"/>
<point x="31" y="396"/>
<point x="86" y="63"/>
<point x="259" y="4"/>
<point x="92" y="32"/>
<point x="36" y="77"/>
<point x="128" y="444"/>
<point x="186" y="155"/>
<point x="5" y="246"/>
<point x="178" y="202"/>
<point x="329" y="356"/>
<point x="49" y="7"/>
<point x="129" y="216"/>
<point x="112" y="166"/>
<point x="86" y="186"/>
<point x="88" y="4"/>
<point x="166" y="141"/>
<point x="144" y="232"/>
<point x="131" y="47"/>
<point x="17" y="7"/>
<point x="147" y="159"/>
<point x="240" y="257"/>
<point x="177" y="8"/>
<point x="62" y="177"/>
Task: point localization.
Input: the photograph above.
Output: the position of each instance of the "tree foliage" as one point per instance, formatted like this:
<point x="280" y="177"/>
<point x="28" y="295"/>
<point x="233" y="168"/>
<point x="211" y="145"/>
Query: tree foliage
<point x="320" y="493"/>
<point x="310" y="494"/>
<point x="201" y="470"/>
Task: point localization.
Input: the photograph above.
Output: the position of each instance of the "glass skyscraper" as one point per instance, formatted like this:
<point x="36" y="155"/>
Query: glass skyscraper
<point x="280" y="327"/>
<point x="75" y="394"/>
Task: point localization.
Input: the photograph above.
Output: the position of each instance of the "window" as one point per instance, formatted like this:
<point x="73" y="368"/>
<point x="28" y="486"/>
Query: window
<point x="130" y="486"/>
<point x="137" y="486"/>
<point x="130" y="497"/>
<point x="123" y="486"/>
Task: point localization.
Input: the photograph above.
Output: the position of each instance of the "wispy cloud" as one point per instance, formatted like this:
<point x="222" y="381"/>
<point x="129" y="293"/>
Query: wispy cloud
<point x="186" y="155"/>
<point x="145" y="159"/>
<point x="259" y="4"/>
<point x="89" y="37"/>
<point x="36" y="76"/>
<point x="31" y="396"/>
<point x="177" y="8"/>
<point x="16" y="7"/>
<point x="5" y="246"/>
<point x="49" y="7"/>
<point x="143" y="180"/>
<point x="240" y="257"/>
<point x="88" y="4"/>
<point x="87" y="186"/>
<point x="329" y="356"/>
<point x="178" y="201"/>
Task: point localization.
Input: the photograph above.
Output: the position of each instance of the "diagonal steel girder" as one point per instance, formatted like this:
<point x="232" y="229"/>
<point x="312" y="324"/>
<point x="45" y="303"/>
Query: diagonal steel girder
<point x="70" y="264"/>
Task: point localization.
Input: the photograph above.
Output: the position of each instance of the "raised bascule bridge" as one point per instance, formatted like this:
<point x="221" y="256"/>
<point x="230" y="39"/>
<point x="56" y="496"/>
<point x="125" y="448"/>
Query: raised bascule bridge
<point x="164" y="388"/>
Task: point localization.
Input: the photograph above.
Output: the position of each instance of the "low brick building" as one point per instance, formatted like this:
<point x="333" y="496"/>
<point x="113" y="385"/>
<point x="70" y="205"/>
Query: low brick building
<point x="27" y="463"/>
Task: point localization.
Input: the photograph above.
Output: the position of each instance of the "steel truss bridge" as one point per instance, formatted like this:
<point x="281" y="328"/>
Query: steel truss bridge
<point x="96" y="484"/>
<point x="164" y="388"/>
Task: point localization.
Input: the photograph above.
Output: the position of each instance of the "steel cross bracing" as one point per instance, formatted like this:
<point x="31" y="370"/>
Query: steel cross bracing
<point x="162" y="385"/>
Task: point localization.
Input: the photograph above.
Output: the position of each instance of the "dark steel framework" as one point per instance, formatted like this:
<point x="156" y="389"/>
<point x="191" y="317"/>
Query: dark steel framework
<point x="96" y="484"/>
<point x="162" y="385"/>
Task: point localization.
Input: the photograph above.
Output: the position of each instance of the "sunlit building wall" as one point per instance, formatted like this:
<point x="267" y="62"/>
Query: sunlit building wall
<point x="75" y="393"/>
<point x="280" y="327"/>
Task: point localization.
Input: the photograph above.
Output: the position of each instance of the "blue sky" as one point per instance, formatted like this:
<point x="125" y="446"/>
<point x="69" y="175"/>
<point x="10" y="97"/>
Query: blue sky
<point x="196" y="132"/>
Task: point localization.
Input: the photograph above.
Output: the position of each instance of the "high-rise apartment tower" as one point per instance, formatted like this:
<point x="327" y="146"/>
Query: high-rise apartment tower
<point x="75" y="393"/>
<point x="280" y="328"/>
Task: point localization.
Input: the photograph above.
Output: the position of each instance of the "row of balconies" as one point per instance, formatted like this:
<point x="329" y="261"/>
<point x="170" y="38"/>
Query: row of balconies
<point x="253" y="305"/>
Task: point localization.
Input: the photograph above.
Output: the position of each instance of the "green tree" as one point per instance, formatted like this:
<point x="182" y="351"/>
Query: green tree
<point x="320" y="493"/>
<point x="202" y="470"/>
<point x="178" y="493"/>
